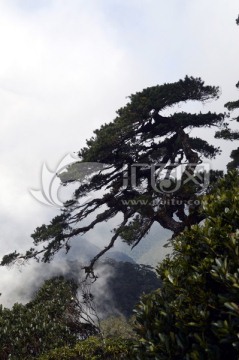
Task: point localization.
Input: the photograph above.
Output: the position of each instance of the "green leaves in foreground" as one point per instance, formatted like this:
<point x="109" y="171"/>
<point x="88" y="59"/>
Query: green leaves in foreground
<point x="94" y="348"/>
<point x="195" y="315"/>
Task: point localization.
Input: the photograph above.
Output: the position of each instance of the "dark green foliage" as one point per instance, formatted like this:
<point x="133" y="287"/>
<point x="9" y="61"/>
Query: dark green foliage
<point x="203" y="147"/>
<point x="94" y="348"/>
<point x="7" y="259"/>
<point x="195" y="315"/>
<point x="235" y="162"/>
<point x="232" y="105"/>
<point x="140" y="134"/>
<point x="50" y="320"/>
<point x="227" y="134"/>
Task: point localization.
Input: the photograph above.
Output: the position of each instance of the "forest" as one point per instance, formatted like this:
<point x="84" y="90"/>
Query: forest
<point x="145" y="169"/>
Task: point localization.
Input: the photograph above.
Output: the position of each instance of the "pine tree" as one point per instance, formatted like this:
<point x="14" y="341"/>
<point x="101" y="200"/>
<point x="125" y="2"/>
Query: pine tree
<point x="147" y="171"/>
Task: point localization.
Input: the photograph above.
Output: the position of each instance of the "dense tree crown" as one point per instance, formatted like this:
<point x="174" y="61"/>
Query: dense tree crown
<point x="141" y="150"/>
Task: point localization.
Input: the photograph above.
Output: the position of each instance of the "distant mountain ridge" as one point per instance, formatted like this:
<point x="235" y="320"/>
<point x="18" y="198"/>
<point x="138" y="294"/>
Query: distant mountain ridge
<point x="150" y="250"/>
<point x="83" y="250"/>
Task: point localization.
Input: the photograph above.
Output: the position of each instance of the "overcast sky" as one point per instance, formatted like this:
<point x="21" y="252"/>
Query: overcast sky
<point x="67" y="66"/>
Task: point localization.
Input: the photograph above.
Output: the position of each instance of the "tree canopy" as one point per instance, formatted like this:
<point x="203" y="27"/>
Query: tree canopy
<point x="148" y="174"/>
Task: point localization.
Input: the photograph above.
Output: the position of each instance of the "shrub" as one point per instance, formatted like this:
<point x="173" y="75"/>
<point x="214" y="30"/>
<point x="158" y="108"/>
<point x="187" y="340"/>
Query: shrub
<point x="195" y="315"/>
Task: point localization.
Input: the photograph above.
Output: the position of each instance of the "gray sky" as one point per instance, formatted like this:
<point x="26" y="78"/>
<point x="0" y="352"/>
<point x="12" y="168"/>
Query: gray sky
<point x="67" y="66"/>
